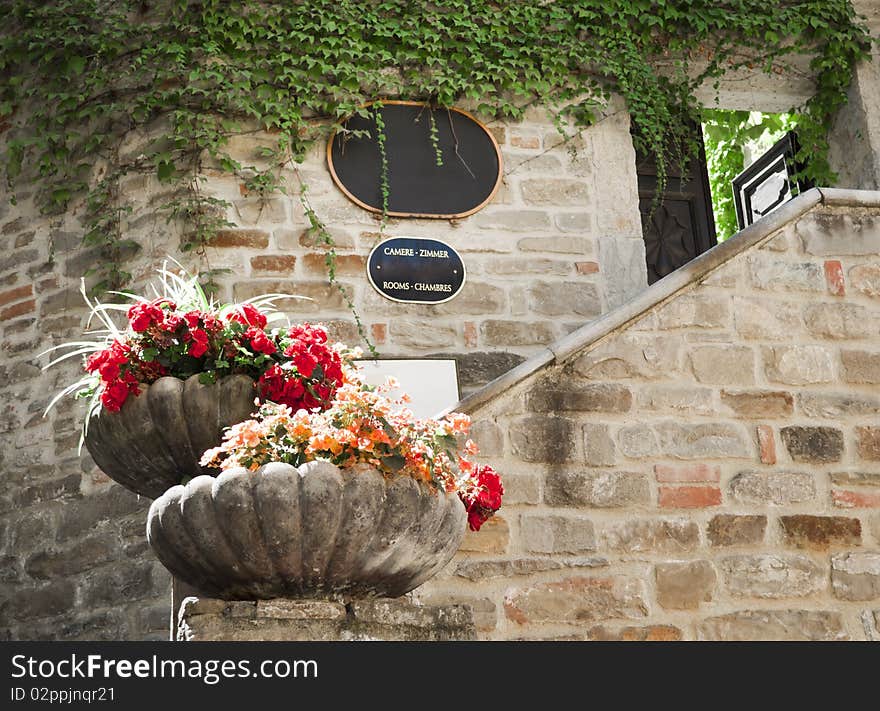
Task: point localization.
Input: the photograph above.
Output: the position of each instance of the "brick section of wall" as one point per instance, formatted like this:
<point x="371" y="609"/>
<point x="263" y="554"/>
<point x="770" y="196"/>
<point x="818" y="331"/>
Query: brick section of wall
<point x="709" y="470"/>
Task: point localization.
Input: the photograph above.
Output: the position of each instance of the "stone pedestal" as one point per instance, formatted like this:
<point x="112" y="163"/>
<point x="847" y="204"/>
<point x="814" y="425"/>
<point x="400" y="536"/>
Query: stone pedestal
<point x="282" y="620"/>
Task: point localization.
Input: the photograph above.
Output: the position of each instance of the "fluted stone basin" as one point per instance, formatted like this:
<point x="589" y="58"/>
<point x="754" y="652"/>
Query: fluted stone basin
<point x="315" y="531"/>
<point x="157" y="438"/>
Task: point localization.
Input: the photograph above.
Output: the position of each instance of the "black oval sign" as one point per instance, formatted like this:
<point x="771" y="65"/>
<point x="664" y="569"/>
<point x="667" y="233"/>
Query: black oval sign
<point x="453" y="174"/>
<point x="414" y="270"/>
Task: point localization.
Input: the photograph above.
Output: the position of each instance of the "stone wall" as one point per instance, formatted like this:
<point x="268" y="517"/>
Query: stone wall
<point x="706" y="467"/>
<point x="560" y="244"/>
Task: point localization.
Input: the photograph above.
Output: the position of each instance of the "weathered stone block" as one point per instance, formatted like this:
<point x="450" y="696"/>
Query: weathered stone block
<point x="513" y="221"/>
<point x="757" y="318"/>
<point x="254" y="211"/>
<point x="564" y="298"/>
<point x="493" y="537"/>
<point x="781" y="275"/>
<point x="557" y="244"/>
<point x="637" y="441"/>
<point x="597" y="489"/>
<point x="703" y="441"/>
<point x="694" y="311"/>
<point x="488" y="436"/>
<point x="307" y="620"/>
<point x="856" y="576"/>
<point x="860" y="366"/>
<point x="868" y="443"/>
<point x="623" y="264"/>
<point x="866" y="279"/>
<point x="820" y="532"/>
<point x="422" y="334"/>
<point x="838" y="321"/>
<point x="577" y="222"/>
<point x="668" y="535"/>
<point x="856" y="478"/>
<point x="736" y="530"/>
<point x="83" y="555"/>
<point x="555" y="191"/>
<point x="838" y="234"/>
<point x="54" y="598"/>
<point x="630" y="355"/>
<point x="484" y="611"/>
<point x="799" y="365"/>
<point x="835" y="405"/>
<point x="474" y="298"/>
<point x="772" y="576"/>
<point x="543" y="438"/>
<point x="600" y="397"/>
<point x="517" y="333"/>
<point x="676" y="399"/>
<point x="683" y="586"/>
<point x="599" y="449"/>
<point x="112" y="584"/>
<point x="550" y="533"/>
<point x="758" y="403"/>
<point x="522" y="487"/>
<point x="774" y="625"/>
<point x="477" y="570"/>
<point x="776" y="488"/>
<point x="577" y="600"/>
<point x="723" y="365"/>
<point x="813" y="444"/>
<point x="518" y="265"/>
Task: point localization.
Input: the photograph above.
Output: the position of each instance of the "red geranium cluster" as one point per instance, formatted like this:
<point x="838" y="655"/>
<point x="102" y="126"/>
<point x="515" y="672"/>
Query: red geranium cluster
<point x="295" y="367"/>
<point x="310" y="377"/>
<point x="484" y="499"/>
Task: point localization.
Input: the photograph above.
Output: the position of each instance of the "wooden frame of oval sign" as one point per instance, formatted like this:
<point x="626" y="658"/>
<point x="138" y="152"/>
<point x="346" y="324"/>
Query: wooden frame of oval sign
<point x="432" y="216"/>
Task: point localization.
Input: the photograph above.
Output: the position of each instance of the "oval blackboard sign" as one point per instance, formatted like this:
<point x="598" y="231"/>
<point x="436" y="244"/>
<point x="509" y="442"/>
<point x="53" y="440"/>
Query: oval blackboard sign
<point x="415" y="270"/>
<point x="452" y="176"/>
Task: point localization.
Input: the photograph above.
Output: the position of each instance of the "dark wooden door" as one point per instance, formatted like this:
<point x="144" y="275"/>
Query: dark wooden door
<point x="681" y="225"/>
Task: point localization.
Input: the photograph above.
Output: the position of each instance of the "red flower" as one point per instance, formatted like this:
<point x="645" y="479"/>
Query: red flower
<point x="487" y="499"/>
<point x="198" y="343"/>
<point x="305" y="363"/>
<point x="107" y="362"/>
<point x="114" y="395"/>
<point x="260" y="342"/>
<point x="249" y="315"/>
<point x="193" y="319"/>
<point x="146" y="313"/>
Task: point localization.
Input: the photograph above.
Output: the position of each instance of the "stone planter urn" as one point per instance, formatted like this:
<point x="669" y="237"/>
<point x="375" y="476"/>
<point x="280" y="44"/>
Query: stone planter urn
<point x="315" y="531"/>
<point x="157" y="438"/>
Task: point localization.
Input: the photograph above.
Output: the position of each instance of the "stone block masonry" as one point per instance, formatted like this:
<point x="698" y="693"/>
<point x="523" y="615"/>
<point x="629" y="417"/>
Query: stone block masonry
<point x="707" y="465"/>
<point x="74" y="563"/>
<point x="381" y="619"/>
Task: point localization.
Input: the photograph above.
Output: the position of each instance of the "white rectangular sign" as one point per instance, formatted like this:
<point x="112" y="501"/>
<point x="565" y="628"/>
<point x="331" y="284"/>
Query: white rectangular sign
<point x="432" y="384"/>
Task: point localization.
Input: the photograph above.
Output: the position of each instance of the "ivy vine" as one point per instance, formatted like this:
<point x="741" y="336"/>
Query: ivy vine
<point x="78" y="76"/>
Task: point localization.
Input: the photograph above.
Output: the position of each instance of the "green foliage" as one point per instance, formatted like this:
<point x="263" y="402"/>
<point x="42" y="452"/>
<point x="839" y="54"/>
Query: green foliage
<point x="76" y="76"/>
<point x="725" y="134"/>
